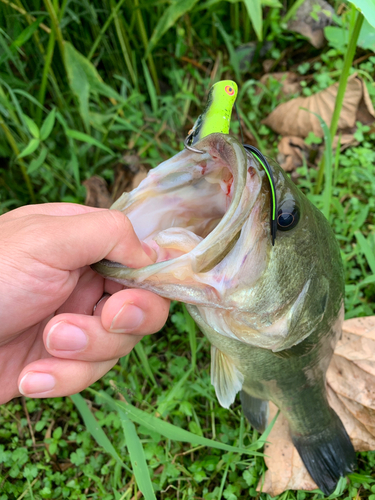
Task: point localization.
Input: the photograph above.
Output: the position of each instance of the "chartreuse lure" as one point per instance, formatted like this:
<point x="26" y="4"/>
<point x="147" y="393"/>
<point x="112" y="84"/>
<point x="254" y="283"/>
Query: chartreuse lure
<point x="216" y="119"/>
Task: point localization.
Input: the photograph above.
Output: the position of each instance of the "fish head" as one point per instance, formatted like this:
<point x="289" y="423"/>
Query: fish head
<point x="207" y="216"/>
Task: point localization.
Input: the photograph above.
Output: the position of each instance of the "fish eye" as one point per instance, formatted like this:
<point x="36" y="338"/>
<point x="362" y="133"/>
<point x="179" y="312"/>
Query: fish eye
<point x="288" y="215"/>
<point x="229" y="90"/>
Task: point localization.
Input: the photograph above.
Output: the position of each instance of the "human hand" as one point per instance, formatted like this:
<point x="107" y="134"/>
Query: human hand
<point x="52" y="342"/>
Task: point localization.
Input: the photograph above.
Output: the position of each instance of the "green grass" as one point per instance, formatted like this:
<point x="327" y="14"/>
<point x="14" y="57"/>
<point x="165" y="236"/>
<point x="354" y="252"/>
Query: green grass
<point x="82" y="84"/>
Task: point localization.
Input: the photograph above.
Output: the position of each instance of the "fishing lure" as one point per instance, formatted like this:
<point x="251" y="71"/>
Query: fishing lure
<point x="216" y="118"/>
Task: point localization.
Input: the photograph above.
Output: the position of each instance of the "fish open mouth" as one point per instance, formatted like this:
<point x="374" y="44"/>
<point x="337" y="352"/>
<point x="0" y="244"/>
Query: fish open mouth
<point x="194" y="203"/>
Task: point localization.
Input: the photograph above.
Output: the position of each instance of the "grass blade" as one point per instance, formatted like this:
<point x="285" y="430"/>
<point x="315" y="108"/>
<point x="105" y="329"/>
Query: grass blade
<point x="168" y="19"/>
<point x="327" y="165"/>
<point x="233" y="56"/>
<point x="137" y="458"/>
<point x="366" y="250"/>
<point x="94" y="428"/>
<point x="254" y="10"/>
<point x="192" y="331"/>
<point x="150" y="87"/>
<point x="144" y="361"/>
<point x="80" y="136"/>
<point x="168" y="430"/>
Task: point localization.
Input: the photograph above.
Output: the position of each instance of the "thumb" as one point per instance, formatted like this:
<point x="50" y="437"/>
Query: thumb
<point x="74" y="241"/>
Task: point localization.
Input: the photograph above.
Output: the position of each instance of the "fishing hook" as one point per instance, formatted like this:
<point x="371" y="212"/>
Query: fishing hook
<point x="189" y="147"/>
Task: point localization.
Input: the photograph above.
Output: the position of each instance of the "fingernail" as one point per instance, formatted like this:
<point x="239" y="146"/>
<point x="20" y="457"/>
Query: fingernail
<point x="34" y="383"/>
<point x="66" y="337"/>
<point x="128" y="318"/>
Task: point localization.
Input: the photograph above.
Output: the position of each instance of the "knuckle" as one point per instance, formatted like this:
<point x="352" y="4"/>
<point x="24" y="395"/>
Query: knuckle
<point x="118" y="221"/>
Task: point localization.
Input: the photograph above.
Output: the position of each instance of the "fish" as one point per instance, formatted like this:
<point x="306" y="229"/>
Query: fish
<point x="271" y="307"/>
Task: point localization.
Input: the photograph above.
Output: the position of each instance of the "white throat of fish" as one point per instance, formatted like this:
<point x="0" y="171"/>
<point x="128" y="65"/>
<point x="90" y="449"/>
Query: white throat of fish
<point x="192" y="210"/>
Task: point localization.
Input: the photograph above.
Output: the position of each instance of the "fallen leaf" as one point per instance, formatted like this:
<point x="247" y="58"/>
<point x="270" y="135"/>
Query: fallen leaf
<point x="97" y="194"/>
<point x="289" y="119"/>
<point x="285" y="468"/>
<point x="292" y="152"/>
<point x="351" y="393"/>
<point x="128" y="175"/>
<point x="311" y="19"/>
<point x="289" y="81"/>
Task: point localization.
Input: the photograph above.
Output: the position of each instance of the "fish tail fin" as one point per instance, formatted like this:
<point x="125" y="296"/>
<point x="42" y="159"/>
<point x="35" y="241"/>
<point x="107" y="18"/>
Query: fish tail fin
<point x="327" y="455"/>
<point x="255" y="410"/>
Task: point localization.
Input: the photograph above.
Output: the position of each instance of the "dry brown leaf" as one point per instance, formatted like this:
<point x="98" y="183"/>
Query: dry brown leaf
<point x="292" y="151"/>
<point x="289" y="80"/>
<point x="97" y="194"/>
<point x="128" y="175"/>
<point x="351" y="393"/>
<point x="311" y="24"/>
<point x="290" y="119"/>
<point x="285" y="468"/>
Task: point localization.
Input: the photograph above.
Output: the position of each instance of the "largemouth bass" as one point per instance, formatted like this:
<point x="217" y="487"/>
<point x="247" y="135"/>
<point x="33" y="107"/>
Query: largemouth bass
<point x="272" y="312"/>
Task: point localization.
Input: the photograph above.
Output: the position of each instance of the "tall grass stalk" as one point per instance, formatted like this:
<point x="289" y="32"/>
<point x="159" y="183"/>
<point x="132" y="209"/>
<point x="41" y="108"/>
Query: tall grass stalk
<point x="348" y="60"/>
<point x="16" y="151"/>
<point x="46" y="71"/>
<point x="143" y="33"/>
<point x="56" y="26"/>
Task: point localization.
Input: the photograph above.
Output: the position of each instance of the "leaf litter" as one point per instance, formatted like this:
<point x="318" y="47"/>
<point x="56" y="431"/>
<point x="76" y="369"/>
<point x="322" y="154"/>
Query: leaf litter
<point x="351" y="393"/>
<point x="292" y="119"/>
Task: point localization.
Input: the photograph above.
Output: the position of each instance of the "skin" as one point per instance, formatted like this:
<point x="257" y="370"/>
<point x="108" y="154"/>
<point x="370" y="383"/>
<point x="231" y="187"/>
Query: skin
<point x="49" y="294"/>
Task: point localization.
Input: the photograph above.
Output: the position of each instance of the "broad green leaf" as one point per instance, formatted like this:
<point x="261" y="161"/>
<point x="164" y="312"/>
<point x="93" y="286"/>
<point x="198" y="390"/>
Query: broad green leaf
<point x="32" y="126"/>
<point x="168" y="19"/>
<point x="47" y="126"/>
<point x="94" y="428"/>
<point x="80" y="136"/>
<point x="36" y="164"/>
<point x="367" y="7"/>
<point x="95" y="81"/>
<point x="83" y="79"/>
<point x="137" y="458"/>
<point x="30" y="148"/>
<point x="168" y="430"/>
<point x="254" y="10"/>
<point x="338" y="37"/>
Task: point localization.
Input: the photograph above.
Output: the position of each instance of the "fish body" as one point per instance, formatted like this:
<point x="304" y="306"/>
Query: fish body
<point x="272" y="313"/>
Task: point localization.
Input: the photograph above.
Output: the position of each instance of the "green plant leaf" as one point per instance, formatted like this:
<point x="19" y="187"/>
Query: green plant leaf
<point x="80" y="136"/>
<point x="47" y="126"/>
<point x="367" y="7"/>
<point x="94" y="428"/>
<point x="366" y="250"/>
<point x="137" y="458"/>
<point x="83" y="79"/>
<point x="30" y="148"/>
<point x="22" y="38"/>
<point x="254" y="10"/>
<point x="36" y="164"/>
<point x="168" y="19"/>
<point x="168" y="430"/>
<point x="150" y="87"/>
<point x="32" y="126"/>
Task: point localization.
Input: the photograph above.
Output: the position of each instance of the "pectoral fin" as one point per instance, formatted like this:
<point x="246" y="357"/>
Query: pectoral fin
<point x="225" y="377"/>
